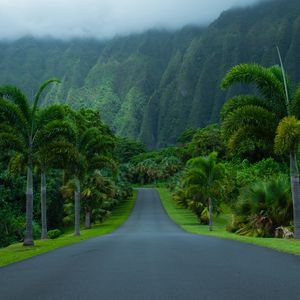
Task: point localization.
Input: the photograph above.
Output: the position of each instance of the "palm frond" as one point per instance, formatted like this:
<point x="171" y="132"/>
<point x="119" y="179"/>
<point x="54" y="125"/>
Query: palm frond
<point x="202" y="161"/>
<point x="12" y="93"/>
<point x="249" y="115"/>
<point x="242" y="100"/>
<point x="205" y="171"/>
<point x="17" y="164"/>
<point x="102" y="161"/>
<point x="40" y="91"/>
<point x="50" y="113"/>
<point x="10" y="141"/>
<point x="98" y="145"/>
<point x="267" y="83"/>
<point x="194" y="177"/>
<point x="295" y="103"/>
<point x="287" y="135"/>
<point x="246" y="141"/>
<point x="60" y="154"/>
<point x="7" y="128"/>
<point x="55" y="130"/>
<point x="13" y="114"/>
<point x="86" y="137"/>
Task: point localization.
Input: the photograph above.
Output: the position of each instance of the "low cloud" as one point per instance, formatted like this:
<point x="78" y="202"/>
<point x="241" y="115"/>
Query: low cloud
<point x="104" y="18"/>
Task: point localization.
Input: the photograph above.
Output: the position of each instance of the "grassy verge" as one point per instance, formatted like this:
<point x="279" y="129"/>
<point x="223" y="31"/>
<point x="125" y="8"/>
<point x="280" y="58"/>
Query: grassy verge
<point x="188" y="221"/>
<point x="17" y="252"/>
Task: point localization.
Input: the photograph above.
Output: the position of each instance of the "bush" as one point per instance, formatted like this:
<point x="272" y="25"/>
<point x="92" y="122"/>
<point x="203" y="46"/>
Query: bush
<point x="54" y="234"/>
<point x="243" y="174"/>
<point x="263" y="207"/>
<point x="11" y="227"/>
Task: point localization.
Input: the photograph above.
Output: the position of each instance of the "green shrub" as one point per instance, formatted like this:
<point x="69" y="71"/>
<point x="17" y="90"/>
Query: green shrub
<point x="54" y="234"/>
<point x="11" y="227"/>
<point x="262" y="207"/>
<point x="242" y="174"/>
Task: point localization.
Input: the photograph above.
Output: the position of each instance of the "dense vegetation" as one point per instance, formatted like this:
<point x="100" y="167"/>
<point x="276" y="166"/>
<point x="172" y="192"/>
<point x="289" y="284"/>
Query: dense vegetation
<point x="154" y="85"/>
<point x="85" y="170"/>
<point x="71" y="151"/>
<point x="257" y="142"/>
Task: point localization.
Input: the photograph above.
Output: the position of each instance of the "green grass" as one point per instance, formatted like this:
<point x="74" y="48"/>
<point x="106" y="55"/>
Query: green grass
<point x="188" y="221"/>
<point x="17" y="252"/>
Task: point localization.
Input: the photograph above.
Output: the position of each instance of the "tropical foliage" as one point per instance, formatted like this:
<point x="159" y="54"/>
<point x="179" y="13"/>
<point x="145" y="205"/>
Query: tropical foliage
<point x="153" y="167"/>
<point x="24" y="131"/>
<point x="263" y="207"/>
<point x="201" y="187"/>
<point x="68" y="146"/>
<point x="79" y="170"/>
<point x="254" y="119"/>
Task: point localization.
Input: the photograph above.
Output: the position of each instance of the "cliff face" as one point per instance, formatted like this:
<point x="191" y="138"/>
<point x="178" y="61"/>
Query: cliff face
<point x="154" y="85"/>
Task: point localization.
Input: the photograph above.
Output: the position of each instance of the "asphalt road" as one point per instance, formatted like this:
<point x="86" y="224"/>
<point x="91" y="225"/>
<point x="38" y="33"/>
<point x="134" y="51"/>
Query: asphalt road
<point x="150" y="257"/>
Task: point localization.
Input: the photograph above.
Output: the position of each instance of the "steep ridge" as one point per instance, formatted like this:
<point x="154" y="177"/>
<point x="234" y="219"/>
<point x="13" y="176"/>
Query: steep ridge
<point x="153" y="85"/>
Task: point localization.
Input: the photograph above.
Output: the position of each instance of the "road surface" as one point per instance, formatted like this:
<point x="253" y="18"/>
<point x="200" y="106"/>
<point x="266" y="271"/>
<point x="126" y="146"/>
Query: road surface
<point x="150" y="257"/>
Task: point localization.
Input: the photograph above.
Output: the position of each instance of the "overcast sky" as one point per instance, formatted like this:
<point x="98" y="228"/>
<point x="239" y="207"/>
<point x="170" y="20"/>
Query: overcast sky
<point x="104" y="18"/>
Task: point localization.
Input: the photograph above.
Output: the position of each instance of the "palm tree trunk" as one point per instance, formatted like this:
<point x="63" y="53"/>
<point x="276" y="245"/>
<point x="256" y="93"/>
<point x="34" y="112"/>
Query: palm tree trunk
<point x="44" y="235"/>
<point x="28" y="241"/>
<point x="295" y="187"/>
<point x="210" y="208"/>
<point x="88" y="218"/>
<point x="77" y="207"/>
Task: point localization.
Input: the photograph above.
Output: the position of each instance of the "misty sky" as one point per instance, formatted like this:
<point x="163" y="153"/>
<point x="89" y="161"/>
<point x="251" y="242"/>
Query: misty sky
<point x="104" y="18"/>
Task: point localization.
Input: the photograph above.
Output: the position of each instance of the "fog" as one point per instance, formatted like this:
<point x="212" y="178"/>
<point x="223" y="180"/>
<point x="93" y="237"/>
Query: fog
<point x="104" y="18"/>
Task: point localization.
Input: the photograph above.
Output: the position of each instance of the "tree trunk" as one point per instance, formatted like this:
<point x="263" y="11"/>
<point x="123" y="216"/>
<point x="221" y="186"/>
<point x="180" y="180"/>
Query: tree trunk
<point x="210" y="208"/>
<point x="77" y="208"/>
<point x="88" y="219"/>
<point x="28" y="241"/>
<point x="295" y="187"/>
<point x="44" y="235"/>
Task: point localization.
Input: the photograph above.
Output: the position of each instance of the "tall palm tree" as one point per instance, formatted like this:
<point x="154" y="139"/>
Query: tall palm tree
<point x="56" y="128"/>
<point x="21" y="133"/>
<point x="259" y="117"/>
<point x="204" y="176"/>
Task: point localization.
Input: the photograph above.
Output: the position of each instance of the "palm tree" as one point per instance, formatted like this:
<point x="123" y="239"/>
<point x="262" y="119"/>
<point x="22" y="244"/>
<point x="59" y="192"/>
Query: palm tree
<point x="203" y="177"/>
<point x="21" y="132"/>
<point x="98" y="163"/>
<point x="56" y="128"/>
<point x="264" y="206"/>
<point x="98" y="194"/>
<point x="249" y="121"/>
<point x="90" y="153"/>
<point x="259" y="117"/>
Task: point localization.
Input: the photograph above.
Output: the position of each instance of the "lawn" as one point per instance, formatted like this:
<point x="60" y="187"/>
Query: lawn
<point x="188" y="221"/>
<point x="17" y="252"/>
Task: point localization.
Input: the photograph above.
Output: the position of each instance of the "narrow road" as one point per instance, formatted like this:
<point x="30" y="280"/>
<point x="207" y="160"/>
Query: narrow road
<point x="150" y="257"/>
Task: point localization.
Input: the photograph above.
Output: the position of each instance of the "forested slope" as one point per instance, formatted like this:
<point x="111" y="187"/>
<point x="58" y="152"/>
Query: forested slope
<point x="154" y="85"/>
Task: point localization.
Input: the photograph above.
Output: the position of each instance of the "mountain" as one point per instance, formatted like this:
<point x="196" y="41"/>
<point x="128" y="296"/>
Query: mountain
<point x="152" y="86"/>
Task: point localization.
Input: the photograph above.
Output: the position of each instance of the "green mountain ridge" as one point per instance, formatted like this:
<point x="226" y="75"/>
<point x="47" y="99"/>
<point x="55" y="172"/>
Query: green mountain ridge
<point x="152" y="86"/>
